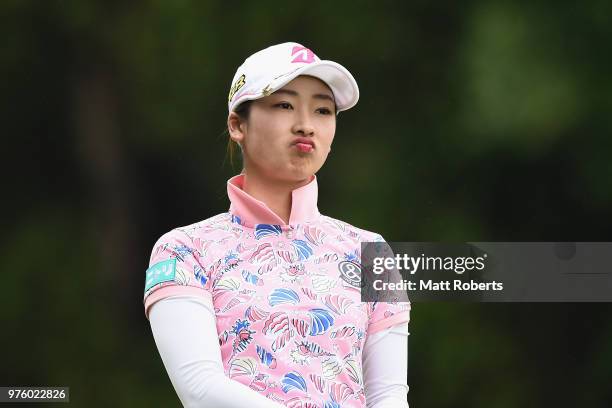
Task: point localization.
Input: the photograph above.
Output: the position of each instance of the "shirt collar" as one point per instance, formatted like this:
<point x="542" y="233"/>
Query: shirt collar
<point x="251" y="211"/>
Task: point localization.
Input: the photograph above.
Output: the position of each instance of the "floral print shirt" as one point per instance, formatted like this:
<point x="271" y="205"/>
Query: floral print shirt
<point x="290" y="321"/>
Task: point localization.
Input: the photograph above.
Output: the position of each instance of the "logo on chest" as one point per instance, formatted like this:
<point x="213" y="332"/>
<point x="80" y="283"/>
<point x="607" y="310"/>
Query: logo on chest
<point x="350" y="272"/>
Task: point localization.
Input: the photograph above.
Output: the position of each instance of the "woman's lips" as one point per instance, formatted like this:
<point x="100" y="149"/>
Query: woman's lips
<point x="304" y="144"/>
<point x="304" y="147"/>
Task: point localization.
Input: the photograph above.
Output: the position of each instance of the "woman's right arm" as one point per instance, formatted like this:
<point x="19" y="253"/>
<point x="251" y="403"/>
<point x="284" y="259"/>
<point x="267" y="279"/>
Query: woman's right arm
<point x="185" y="332"/>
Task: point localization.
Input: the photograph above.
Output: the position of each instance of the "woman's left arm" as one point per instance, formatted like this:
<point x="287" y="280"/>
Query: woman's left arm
<point x="385" y="368"/>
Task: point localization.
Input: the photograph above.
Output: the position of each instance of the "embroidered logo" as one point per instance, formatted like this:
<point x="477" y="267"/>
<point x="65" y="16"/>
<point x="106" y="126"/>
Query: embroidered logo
<point x="267" y="91"/>
<point x="236" y="87"/>
<point x="304" y="55"/>
<point x="350" y="272"/>
<point x="163" y="271"/>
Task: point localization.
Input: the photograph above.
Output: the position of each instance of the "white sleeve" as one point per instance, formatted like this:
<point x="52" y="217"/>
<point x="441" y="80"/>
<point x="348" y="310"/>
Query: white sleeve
<point x="185" y="332"/>
<point x="385" y="368"/>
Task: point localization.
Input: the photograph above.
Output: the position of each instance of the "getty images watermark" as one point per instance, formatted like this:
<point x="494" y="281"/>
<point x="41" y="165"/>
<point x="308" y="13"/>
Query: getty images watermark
<point x="412" y="264"/>
<point x="487" y="271"/>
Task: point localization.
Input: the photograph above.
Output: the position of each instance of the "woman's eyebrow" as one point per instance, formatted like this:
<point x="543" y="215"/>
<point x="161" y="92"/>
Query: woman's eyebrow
<point x="323" y="96"/>
<point x="294" y="93"/>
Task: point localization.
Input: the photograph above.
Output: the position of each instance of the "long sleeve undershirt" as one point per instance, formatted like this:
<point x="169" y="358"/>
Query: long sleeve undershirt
<point x="185" y="332"/>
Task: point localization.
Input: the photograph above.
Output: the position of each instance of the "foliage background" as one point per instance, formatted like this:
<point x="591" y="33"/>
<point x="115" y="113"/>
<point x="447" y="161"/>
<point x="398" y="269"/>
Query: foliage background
<point x="478" y="121"/>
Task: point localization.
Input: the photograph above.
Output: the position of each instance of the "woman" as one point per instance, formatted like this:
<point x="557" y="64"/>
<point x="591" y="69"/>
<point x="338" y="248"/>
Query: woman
<point x="260" y="306"/>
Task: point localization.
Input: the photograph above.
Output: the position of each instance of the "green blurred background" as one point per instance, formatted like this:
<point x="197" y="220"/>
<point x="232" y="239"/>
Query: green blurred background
<point x="478" y="121"/>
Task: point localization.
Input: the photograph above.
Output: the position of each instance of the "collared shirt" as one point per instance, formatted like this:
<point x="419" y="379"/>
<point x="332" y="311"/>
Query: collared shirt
<point x="289" y="316"/>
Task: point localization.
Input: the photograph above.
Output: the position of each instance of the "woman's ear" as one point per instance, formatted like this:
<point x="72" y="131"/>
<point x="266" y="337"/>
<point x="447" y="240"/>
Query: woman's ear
<point x="236" y="128"/>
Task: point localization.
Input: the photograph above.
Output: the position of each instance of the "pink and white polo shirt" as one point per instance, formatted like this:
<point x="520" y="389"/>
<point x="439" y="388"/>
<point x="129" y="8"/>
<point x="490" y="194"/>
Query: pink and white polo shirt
<point x="290" y="320"/>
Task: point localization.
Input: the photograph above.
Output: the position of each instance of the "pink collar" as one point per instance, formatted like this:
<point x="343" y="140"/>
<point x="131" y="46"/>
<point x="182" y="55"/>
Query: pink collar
<point x="251" y="211"/>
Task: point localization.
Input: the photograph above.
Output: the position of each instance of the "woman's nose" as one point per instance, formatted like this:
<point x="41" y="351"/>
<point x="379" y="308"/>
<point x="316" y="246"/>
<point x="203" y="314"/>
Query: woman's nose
<point x="303" y="127"/>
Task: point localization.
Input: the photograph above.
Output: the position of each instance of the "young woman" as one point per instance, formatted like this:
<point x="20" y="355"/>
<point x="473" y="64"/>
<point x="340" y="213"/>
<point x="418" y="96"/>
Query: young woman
<point x="260" y="306"/>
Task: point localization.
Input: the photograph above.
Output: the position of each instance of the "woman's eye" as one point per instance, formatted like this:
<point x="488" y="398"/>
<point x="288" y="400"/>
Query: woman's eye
<point x="324" y="111"/>
<point x="284" y="105"/>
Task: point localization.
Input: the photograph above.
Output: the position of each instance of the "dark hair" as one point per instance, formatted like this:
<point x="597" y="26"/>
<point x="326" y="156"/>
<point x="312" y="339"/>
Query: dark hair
<point x="242" y="111"/>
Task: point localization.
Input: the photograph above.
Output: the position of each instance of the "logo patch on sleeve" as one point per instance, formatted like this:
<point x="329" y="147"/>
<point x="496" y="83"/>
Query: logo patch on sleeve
<point x="163" y="271"/>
